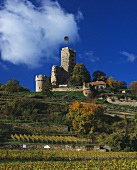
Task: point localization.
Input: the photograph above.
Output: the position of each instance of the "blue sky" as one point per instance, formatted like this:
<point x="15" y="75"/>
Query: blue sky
<point x="103" y="33"/>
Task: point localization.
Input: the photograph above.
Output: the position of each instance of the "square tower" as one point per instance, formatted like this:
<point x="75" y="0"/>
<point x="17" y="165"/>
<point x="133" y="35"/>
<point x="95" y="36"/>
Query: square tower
<point x="68" y="59"/>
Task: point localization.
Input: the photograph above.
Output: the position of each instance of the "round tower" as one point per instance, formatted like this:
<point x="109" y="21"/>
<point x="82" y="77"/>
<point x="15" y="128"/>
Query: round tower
<point x="40" y="82"/>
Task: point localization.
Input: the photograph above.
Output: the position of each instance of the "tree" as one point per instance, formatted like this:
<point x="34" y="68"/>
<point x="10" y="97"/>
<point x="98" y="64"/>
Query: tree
<point x="110" y="82"/>
<point x="13" y="82"/>
<point x="79" y="75"/>
<point x="47" y="87"/>
<point x="99" y="75"/>
<point x="84" y="116"/>
<point x="4" y="130"/>
<point x="121" y="85"/>
<point x="133" y="87"/>
<point x="13" y="85"/>
<point x="115" y="85"/>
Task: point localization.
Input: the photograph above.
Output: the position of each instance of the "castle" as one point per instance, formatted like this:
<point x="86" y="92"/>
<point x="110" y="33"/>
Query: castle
<point x="40" y="82"/>
<point x="59" y="74"/>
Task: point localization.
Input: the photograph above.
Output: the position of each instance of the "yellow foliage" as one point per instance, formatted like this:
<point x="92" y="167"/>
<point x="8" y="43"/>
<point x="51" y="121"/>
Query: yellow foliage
<point x="110" y="81"/>
<point x="133" y="87"/>
<point x="85" y="108"/>
<point x="83" y="116"/>
<point x="75" y="106"/>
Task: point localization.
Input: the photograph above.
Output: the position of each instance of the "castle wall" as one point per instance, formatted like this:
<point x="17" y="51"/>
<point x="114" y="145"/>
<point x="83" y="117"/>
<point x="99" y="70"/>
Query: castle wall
<point x="58" y="76"/>
<point x="40" y="82"/>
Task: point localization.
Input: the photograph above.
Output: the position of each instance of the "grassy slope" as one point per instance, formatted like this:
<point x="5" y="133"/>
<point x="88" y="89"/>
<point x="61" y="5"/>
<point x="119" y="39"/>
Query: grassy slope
<point x="46" y="115"/>
<point x="49" y="117"/>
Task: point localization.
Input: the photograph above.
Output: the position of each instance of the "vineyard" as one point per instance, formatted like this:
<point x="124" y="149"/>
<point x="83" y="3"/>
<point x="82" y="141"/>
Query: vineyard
<point x="49" y="139"/>
<point x="75" y="165"/>
<point x="66" y="160"/>
<point x="37" y="120"/>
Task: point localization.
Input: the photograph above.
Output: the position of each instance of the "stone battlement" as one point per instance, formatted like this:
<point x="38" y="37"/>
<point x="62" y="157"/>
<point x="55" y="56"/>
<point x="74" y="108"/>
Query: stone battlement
<point x="40" y="82"/>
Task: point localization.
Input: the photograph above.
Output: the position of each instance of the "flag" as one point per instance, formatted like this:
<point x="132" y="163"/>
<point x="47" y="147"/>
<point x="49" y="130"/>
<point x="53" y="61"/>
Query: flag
<point x="66" y="38"/>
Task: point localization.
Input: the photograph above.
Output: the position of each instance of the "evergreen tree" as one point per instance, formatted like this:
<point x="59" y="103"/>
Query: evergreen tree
<point x="99" y="75"/>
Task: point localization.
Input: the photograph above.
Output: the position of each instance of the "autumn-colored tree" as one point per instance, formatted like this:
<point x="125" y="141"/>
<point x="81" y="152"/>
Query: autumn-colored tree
<point x="133" y="87"/>
<point x="110" y="81"/>
<point x="7" y="110"/>
<point x="115" y="85"/>
<point x="121" y="85"/>
<point x="79" y="75"/>
<point x="84" y="116"/>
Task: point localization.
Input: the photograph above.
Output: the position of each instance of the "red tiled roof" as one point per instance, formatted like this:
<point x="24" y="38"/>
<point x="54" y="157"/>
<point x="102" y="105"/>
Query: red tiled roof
<point x="96" y="83"/>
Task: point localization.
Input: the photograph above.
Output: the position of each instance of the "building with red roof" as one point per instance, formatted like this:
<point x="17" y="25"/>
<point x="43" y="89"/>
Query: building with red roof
<point x="98" y="84"/>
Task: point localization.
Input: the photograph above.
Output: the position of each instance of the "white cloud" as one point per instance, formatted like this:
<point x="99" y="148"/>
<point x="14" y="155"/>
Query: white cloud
<point x="3" y="66"/>
<point x="130" y="57"/>
<point x="32" y="35"/>
<point x="79" y="16"/>
<point x="90" y="56"/>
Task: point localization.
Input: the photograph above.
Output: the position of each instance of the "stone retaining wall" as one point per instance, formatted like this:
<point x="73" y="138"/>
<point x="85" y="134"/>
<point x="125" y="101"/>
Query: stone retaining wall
<point x="67" y="89"/>
<point x="114" y="100"/>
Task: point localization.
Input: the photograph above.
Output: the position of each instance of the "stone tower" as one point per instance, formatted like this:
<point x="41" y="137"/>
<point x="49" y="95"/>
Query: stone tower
<point x="60" y="75"/>
<point x="68" y="59"/>
<point x="40" y="82"/>
<point x="87" y="91"/>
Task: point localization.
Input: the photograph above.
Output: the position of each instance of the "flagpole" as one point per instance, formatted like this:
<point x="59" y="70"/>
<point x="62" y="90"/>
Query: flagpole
<point x="68" y="43"/>
<point x="66" y="38"/>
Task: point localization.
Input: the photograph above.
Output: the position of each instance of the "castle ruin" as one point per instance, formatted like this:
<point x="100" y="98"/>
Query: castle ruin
<point x="61" y="74"/>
